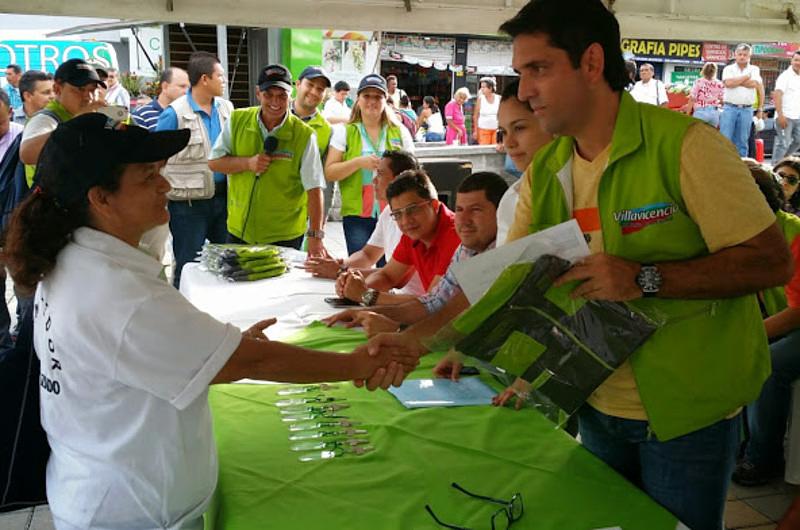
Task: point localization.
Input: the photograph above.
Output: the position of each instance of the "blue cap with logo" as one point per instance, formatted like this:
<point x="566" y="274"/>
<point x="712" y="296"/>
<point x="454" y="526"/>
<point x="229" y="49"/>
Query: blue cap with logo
<point x="314" y="72"/>
<point x="373" y="81"/>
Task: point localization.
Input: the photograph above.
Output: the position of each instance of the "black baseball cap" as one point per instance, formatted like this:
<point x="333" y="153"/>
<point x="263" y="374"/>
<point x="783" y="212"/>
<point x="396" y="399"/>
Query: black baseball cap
<point x="77" y="72"/>
<point x="84" y="151"/>
<point x="314" y="72"/>
<point x="373" y="81"/>
<point x="275" y="75"/>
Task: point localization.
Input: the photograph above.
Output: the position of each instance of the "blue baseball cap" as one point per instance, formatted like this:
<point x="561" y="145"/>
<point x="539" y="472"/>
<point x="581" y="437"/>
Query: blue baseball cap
<point x="373" y="81"/>
<point x="314" y="72"/>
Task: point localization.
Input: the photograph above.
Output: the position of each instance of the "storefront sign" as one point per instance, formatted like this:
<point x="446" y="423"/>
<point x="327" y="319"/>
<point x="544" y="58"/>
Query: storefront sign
<point x="775" y="49"/>
<point x="715" y="52"/>
<point x="685" y="78"/>
<point x="46" y="55"/>
<point x="663" y="49"/>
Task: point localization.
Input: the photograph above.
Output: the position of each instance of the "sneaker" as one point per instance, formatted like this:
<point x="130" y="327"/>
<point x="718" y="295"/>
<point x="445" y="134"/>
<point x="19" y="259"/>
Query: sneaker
<point x="749" y="475"/>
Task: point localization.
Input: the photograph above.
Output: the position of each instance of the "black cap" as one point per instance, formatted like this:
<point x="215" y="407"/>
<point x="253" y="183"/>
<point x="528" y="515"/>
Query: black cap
<point x="314" y="72"/>
<point x="100" y="68"/>
<point x="341" y="85"/>
<point x="77" y="72"/>
<point x="275" y="75"/>
<point x="83" y="152"/>
<point x="373" y="81"/>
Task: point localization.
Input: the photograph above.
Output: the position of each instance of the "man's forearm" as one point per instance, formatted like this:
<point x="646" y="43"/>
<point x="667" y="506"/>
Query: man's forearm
<point x="428" y="326"/>
<point x="408" y="312"/>
<point x="730" y="272"/>
<point x="229" y="164"/>
<point x="315" y="207"/>
<point x="778" y="97"/>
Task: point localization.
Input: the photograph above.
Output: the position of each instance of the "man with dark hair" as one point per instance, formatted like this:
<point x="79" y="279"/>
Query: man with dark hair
<point x="336" y="109"/>
<point x="477" y="199"/>
<point x="173" y="83"/>
<point x="427" y="246"/>
<point x="198" y="201"/>
<point x="13" y="74"/>
<point x="36" y="89"/>
<point x="384" y="238"/>
<point x="668" y="419"/>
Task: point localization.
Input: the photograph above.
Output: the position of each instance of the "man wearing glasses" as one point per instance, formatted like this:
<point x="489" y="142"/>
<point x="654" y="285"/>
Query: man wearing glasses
<point x="427" y="246"/>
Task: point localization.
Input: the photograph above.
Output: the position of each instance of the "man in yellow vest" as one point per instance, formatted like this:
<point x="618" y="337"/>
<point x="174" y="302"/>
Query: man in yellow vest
<point x="275" y="171"/>
<point x="676" y="227"/>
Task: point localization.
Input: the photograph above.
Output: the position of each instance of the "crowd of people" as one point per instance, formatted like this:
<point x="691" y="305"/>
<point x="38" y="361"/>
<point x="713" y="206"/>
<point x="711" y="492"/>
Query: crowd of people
<point x="590" y="145"/>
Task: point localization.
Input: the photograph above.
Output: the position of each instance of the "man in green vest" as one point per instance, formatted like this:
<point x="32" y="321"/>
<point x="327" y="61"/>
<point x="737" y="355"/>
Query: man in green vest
<point x="74" y="84"/>
<point x="275" y="177"/>
<point x="677" y="229"/>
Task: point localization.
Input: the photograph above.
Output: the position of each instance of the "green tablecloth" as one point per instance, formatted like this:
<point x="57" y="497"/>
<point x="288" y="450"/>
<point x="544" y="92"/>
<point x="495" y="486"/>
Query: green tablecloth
<point x="491" y="451"/>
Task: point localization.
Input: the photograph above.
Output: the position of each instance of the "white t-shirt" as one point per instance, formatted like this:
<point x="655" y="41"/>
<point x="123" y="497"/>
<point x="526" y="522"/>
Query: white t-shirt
<point x="38" y="125"/>
<point x="339" y="138"/>
<point x="334" y="109"/>
<point x="652" y="92"/>
<point x="126" y="362"/>
<point x="740" y="95"/>
<point x="487" y="118"/>
<point x="386" y="236"/>
<point x="506" y="211"/>
<point x="789" y="84"/>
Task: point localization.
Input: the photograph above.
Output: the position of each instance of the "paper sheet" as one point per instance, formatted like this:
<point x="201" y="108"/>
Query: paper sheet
<point x="423" y="393"/>
<point x="477" y="274"/>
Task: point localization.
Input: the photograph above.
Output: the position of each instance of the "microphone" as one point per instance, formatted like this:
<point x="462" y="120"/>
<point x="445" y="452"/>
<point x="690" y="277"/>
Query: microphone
<point x="270" y="144"/>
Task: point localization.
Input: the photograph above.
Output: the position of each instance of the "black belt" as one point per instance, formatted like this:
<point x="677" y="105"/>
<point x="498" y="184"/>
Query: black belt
<point x="220" y="188"/>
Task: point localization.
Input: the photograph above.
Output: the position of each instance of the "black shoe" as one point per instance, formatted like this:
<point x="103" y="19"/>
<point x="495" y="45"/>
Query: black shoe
<point x="748" y="475"/>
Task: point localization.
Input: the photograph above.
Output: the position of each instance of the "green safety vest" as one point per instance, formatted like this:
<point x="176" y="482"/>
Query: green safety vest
<point x="351" y="187"/>
<point x="274" y="205"/>
<point x="774" y="299"/>
<point x="710" y="356"/>
<point x="58" y="109"/>
<point x="323" y="131"/>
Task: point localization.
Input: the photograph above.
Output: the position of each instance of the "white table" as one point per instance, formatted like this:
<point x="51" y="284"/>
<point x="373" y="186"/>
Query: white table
<point x="296" y="298"/>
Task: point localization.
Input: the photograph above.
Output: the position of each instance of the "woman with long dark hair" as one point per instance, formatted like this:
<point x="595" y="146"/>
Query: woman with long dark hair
<point x="788" y="173"/>
<point x="430" y="119"/>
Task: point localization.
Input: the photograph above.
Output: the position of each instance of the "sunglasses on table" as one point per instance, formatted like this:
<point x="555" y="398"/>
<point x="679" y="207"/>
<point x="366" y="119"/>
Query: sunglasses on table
<point x="409" y="210"/>
<point x="511" y="511"/>
<point x="792" y="180"/>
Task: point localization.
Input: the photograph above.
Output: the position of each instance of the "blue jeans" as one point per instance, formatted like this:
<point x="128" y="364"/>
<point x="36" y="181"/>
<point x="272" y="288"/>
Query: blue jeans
<point x="688" y="475"/>
<point x="357" y="231"/>
<point x="734" y="124"/>
<point x="709" y="114"/>
<point x="434" y="137"/>
<point x="787" y="140"/>
<point x="767" y="416"/>
<point x="191" y="223"/>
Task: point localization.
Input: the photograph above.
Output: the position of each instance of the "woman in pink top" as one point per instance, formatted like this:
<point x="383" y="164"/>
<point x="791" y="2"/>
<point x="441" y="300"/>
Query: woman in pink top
<point x="706" y="96"/>
<point x="454" y="114"/>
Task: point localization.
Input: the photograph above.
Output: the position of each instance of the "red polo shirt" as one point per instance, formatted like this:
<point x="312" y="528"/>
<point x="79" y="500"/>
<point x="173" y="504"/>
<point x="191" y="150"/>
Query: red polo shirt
<point x="430" y="261"/>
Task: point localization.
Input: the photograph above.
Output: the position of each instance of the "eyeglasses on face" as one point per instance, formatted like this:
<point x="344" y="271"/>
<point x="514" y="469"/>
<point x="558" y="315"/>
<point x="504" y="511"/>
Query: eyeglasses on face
<point x="502" y="519"/>
<point x="410" y="210"/>
<point x="792" y="180"/>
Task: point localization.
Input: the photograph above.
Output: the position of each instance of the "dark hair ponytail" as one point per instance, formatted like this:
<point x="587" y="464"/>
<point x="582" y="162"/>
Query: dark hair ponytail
<point x="38" y="230"/>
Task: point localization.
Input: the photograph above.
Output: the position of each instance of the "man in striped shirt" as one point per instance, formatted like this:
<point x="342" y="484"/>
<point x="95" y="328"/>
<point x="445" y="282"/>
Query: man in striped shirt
<point x="174" y="83"/>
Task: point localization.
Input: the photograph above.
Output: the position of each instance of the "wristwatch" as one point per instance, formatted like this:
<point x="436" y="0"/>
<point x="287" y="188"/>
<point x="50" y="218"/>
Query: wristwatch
<point x="317" y="234"/>
<point x="649" y="280"/>
<point x="369" y="298"/>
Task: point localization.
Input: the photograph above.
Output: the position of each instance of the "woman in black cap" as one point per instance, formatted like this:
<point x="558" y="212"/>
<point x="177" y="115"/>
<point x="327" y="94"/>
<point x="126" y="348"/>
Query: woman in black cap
<point x="125" y="359"/>
<point x="353" y="157"/>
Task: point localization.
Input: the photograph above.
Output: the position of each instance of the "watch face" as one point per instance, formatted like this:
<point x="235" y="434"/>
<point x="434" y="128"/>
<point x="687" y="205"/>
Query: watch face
<point x="649" y="279"/>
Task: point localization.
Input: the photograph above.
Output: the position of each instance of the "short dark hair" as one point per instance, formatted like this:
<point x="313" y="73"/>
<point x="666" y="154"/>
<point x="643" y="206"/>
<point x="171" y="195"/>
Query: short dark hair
<point x="415" y="180"/>
<point x="492" y="184"/>
<point x="341" y="85"/>
<point x="166" y="75"/>
<point x="400" y="161"/>
<point x="573" y="26"/>
<point x="404" y="101"/>
<point x="17" y="69"/>
<point x="200" y="64"/>
<point x="770" y="188"/>
<point x="4" y="99"/>
<point x="511" y="90"/>
<point x="27" y="83"/>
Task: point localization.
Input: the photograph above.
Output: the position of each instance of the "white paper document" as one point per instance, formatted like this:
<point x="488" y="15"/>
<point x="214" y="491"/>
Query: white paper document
<point x="478" y="273"/>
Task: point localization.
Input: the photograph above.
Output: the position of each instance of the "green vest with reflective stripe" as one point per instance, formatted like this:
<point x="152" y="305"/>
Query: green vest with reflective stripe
<point x="351" y="186"/>
<point x="58" y="109"/>
<point x="273" y="206"/>
<point x="710" y="356"/>
<point x="774" y="299"/>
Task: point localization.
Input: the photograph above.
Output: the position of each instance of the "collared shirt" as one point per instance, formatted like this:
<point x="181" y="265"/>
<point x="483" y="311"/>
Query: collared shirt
<point x="430" y="261"/>
<point x="14" y="130"/>
<point x="124" y="397"/>
<point x="789" y="85"/>
<point x="15" y="99"/>
<point x="652" y="92"/>
<point x="147" y="115"/>
<point x="448" y="286"/>
<point x="311" y="174"/>
<point x="118" y="95"/>
<point x="741" y="95"/>
<point x="168" y="121"/>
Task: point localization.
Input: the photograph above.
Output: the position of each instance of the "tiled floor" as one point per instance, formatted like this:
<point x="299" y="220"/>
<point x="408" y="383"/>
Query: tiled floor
<point x="751" y="508"/>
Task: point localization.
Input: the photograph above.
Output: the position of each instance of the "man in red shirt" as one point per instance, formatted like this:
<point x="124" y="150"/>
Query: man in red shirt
<point x="428" y="243"/>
